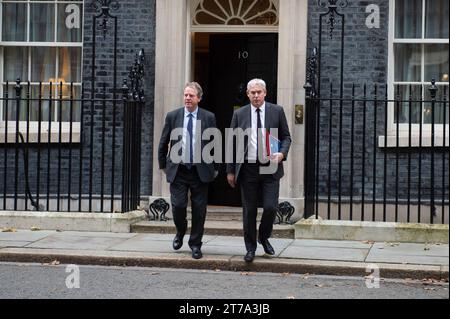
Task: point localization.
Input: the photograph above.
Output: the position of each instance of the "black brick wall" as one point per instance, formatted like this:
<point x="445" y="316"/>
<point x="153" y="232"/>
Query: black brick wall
<point x="136" y="30"/>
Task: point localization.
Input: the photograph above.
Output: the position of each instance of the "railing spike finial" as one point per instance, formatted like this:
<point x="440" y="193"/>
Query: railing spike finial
<point x="311" y="75"/>
<point x="433" y="89"/>
<point x="125" y="89"/>
<point x="136" y="78"/>
<point x="18" y="87"/>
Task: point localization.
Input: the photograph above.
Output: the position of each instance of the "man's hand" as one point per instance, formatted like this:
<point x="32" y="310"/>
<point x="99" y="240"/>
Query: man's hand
<point x="277" y="157"/>
<point x="231" y="180"/>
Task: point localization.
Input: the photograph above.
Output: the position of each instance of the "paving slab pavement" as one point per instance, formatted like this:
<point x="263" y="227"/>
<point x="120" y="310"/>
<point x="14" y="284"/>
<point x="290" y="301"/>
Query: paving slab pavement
<point x="326" y="253"/>
<point x="395" y="260"/>
<point x="425" y="254"/>
<point x="11" y="243"/>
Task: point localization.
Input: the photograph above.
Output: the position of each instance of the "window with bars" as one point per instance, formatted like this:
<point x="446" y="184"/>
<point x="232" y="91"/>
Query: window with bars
<point x="41" y="44"/>
<point x="419" y="53"/>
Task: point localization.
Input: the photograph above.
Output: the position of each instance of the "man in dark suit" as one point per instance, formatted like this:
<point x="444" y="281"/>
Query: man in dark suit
<point x="184" y="166"/>
<point x="259" y="172"/>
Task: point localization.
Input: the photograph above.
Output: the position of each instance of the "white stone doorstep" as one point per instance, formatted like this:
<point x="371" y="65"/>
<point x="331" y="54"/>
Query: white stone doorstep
<point x="93" y="222"/>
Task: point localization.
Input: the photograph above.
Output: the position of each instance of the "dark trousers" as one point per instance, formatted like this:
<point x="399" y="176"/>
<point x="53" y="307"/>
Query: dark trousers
<point x="189" y="180"/>
<point x="256" y="187"/>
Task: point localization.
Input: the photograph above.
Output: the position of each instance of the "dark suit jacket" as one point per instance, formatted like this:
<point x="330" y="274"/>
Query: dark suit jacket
<point x="274" y="118"/>
<point x="175" y="119"/>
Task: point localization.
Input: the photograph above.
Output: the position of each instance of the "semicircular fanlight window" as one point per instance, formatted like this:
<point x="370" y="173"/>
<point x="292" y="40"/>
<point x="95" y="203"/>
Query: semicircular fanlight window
<point x="236" y="12"/>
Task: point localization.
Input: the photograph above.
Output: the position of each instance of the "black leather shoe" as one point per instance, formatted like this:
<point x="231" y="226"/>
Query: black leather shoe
<point x="196" y="253"/>
<point x="268" y="249"/>
<point x="249" y="256"/>
<point x="178" y="242"/>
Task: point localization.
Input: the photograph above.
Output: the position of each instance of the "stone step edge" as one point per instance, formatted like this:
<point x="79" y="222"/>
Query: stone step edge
<point x="285" y="231"/>
<point x="224" y="263"/>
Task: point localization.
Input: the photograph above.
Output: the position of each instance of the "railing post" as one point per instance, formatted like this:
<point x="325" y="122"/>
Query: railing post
<point x="433" y="92"/>
<point x="133" y="96"/>
<point x="310" y="137"/>
<point x="18" y="88"/>
<point x="5" y="153"/>
<point x="125" y="145"/>
<point x="133" y="151"/>
<point x="309" y="178"/>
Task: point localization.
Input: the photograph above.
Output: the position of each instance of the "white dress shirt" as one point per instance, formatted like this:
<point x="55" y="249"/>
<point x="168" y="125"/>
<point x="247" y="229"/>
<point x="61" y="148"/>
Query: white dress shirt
<point x="252" y="156"/>
<point x="185" y="130"/>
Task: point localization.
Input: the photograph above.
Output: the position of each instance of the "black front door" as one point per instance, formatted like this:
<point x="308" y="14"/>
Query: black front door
<point x="235" y="59"/>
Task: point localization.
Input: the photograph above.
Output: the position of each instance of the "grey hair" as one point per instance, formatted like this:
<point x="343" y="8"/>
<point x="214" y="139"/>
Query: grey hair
<point x="256" y="82"/>
<point x="195" y="86"/>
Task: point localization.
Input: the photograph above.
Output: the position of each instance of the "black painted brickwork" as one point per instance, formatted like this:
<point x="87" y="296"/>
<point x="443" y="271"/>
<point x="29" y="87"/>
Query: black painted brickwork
<point x="136" y="30"/>
<point x="365" y="62"/>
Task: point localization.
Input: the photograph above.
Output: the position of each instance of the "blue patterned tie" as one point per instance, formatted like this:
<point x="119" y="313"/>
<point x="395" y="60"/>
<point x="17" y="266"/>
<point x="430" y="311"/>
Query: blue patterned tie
<point x="190" y="129"/>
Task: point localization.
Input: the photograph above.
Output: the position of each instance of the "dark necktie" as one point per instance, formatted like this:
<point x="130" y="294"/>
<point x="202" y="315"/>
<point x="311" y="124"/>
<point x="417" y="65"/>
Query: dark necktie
<point x="259" y="136"/>
<point x="190" y="129"/>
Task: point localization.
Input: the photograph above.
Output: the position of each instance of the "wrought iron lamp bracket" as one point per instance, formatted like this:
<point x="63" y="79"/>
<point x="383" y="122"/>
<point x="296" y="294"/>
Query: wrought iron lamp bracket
<point x="333" y="6"/>
<point x="105" y="7"/>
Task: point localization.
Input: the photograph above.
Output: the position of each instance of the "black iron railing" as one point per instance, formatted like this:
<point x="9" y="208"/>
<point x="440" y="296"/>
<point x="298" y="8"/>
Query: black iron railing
<point x="73" y="156"/>
<point x="369" y="158"/>
<point x="68" y="164"/>
<point x="134" y="100"/>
